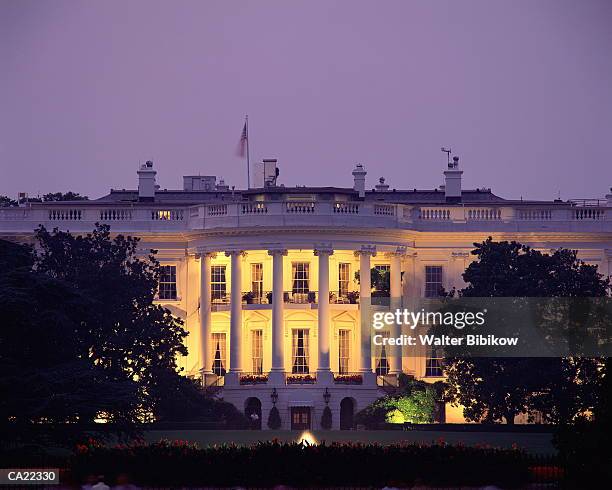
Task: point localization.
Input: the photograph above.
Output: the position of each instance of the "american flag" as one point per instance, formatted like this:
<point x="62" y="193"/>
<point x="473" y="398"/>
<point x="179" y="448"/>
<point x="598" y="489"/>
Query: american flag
<point x="244" y="138"/>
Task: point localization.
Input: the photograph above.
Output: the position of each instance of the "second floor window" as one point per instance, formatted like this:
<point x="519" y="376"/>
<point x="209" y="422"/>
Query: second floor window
<point x="299" y="351"/>
<point x="301" y="277"/>
<point x="218" y="283"/>
<point x="382" y="363"/>
<point x="257" y="280"/>
<point x="167" y="282"/>
<point x="344" y="278"/>
<point x="433" y="281"/>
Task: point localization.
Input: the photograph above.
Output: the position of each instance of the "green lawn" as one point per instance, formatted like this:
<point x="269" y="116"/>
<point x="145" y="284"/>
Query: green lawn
<point x="533" y="443"/>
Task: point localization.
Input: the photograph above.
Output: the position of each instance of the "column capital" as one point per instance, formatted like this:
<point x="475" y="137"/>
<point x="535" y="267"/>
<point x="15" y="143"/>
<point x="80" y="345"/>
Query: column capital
<point x="323" y="249"/>
<point x="366" y="250"/>
<point x="398" y="252"/>
<point x="202" y="251"/>
<point x="277" y="251"/>
<point x="238" y="253"/>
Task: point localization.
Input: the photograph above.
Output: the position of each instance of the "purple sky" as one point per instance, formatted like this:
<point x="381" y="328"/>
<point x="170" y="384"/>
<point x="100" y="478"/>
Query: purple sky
<point x="521" y="91"/>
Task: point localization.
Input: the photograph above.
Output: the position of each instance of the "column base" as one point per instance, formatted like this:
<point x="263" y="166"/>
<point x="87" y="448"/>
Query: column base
<point x="325" y="377"/>
<point x="232" y="378"/>
<point x="276" y="378"/>
<point x="369" y="378"/>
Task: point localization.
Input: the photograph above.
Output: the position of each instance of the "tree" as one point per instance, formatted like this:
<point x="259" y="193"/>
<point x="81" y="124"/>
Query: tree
<point x="274" y="419"/>
<point x="326" y="418"/>
<point x="123" y="330"/>
<point x="494" y="388"/>
<point x="6" y="201"/>
<point x="60" y="196"/>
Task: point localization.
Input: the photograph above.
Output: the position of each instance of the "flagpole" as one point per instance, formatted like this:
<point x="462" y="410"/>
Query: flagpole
<point x="247" y="153"/>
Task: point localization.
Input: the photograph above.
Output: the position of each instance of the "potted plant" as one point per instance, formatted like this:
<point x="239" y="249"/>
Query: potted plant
<point x="269" y="297"/>
<point x="352" y="297"/>
<point x="248" y="297"/>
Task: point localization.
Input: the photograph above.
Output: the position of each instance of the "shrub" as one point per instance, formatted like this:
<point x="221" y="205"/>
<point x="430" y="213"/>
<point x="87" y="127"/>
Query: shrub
<point x="274" y="419"/>
<point x="326" y="419"/>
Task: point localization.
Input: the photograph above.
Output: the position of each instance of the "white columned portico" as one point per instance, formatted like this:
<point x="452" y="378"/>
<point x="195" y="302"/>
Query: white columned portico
<point x="395" y="359"/>
<point x="324" y="374"/>
<point x="277" y="373"/>
<point x="235" y="367"/>
<point x="365" y="307"/>
<point x="205" y="315"/>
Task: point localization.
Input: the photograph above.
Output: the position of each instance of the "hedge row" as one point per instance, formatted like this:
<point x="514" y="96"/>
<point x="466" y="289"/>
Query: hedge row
<point x="273" y="463"/>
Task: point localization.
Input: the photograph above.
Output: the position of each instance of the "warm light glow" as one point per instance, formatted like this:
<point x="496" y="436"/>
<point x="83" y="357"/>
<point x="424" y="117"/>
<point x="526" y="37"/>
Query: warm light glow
<point x="307" y="438"/>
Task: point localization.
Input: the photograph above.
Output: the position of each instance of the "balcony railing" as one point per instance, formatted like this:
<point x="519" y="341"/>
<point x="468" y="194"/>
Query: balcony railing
<point x="257" y="297"/>
<point x="232" y="214"/>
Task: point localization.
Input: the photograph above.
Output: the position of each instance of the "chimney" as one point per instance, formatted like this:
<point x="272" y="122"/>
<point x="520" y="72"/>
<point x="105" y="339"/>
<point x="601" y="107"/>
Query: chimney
<point x="146" y="182"/>
<point x="452" y="181"/>
<point x="359" y="174"/>
<point x="609" y="198"/>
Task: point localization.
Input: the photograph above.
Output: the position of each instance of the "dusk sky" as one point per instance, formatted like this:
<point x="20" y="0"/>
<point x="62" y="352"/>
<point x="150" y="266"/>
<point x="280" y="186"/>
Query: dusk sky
<point x="521" y="91"/>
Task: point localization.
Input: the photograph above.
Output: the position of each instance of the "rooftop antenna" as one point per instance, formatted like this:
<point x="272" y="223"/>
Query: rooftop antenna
<point x="448" y="152"/>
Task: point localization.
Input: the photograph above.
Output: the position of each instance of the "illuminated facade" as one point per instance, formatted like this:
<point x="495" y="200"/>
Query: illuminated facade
<point x="266" y="279"/>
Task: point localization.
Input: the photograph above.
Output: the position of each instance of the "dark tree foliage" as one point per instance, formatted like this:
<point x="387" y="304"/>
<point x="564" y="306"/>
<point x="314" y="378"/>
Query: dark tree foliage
<point x="6" y="201"/>
<point x="326" y="418"/>
<point x="61" y="196"/>
<point x="122" y="331"/>
<point x="492" y="389"/>
<point x="274" y="419"/>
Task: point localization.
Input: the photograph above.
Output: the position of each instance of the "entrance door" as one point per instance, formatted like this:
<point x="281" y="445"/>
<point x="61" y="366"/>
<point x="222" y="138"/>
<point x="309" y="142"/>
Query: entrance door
<point x="300" y="418"/>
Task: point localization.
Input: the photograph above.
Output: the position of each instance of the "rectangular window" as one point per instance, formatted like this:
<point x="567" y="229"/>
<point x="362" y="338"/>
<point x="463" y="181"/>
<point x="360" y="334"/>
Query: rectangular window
<point x="344" y="351"/>
<point x="257" y="281"/>
<point x="382" y="363"/>
<point x="344" y="278"/>
<point x="300" y="272"/>
<point x="167" y="282"/>
<point x="433" y="363"/>
<point x="219" y="351"/>
<point x="433" y="281"/>
<point x="383" y="267"/>
<point x="218" y="284"/>
<point x="299" y="350"/>
<point x="257" y="351"/>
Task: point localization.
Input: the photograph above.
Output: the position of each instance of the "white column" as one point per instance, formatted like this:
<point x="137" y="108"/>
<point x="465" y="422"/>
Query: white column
<point x="278" y="327"/>
<point x="365" y="293"/>
<point x="395" y="358"/>
<point x="235" y="366"/>
<point x="205" y="314"/>
<point x="324" y="373"/>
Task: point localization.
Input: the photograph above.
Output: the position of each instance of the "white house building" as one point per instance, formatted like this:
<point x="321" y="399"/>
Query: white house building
<point x="265" y="278"/>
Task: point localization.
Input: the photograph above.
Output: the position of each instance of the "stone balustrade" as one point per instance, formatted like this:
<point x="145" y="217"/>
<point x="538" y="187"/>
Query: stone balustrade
<point x="141" y="217"/>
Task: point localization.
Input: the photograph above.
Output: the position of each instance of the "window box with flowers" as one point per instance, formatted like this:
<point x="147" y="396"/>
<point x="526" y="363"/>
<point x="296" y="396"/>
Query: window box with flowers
<point x="348" y="379"/>
<point x="253" y="379"/>
<point x="301" y="379"/>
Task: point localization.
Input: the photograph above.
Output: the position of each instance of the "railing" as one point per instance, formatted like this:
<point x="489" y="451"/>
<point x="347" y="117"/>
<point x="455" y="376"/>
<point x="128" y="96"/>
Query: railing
<point x="292" y="297"/>
<point x="257" y="297"/>
<point x="220" y="298"/>
<point x="484" y="214"/>
<point x="434" y="214"/>
<point x="296" y="207"/>
<point x="300" y="379"/>
<point x="130" y="217"/>
<point x="348" y="298"/>
<point x="589" y="214"/>
<point x="254" y="208"/>
<point x="346" y="208"/>
<point x="348" y="379"/>
<point x="253" y="378"/>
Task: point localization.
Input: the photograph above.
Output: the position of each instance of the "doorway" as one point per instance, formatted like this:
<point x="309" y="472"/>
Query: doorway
<point x="347" y="410"/>
<point x="300" y="418"/>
